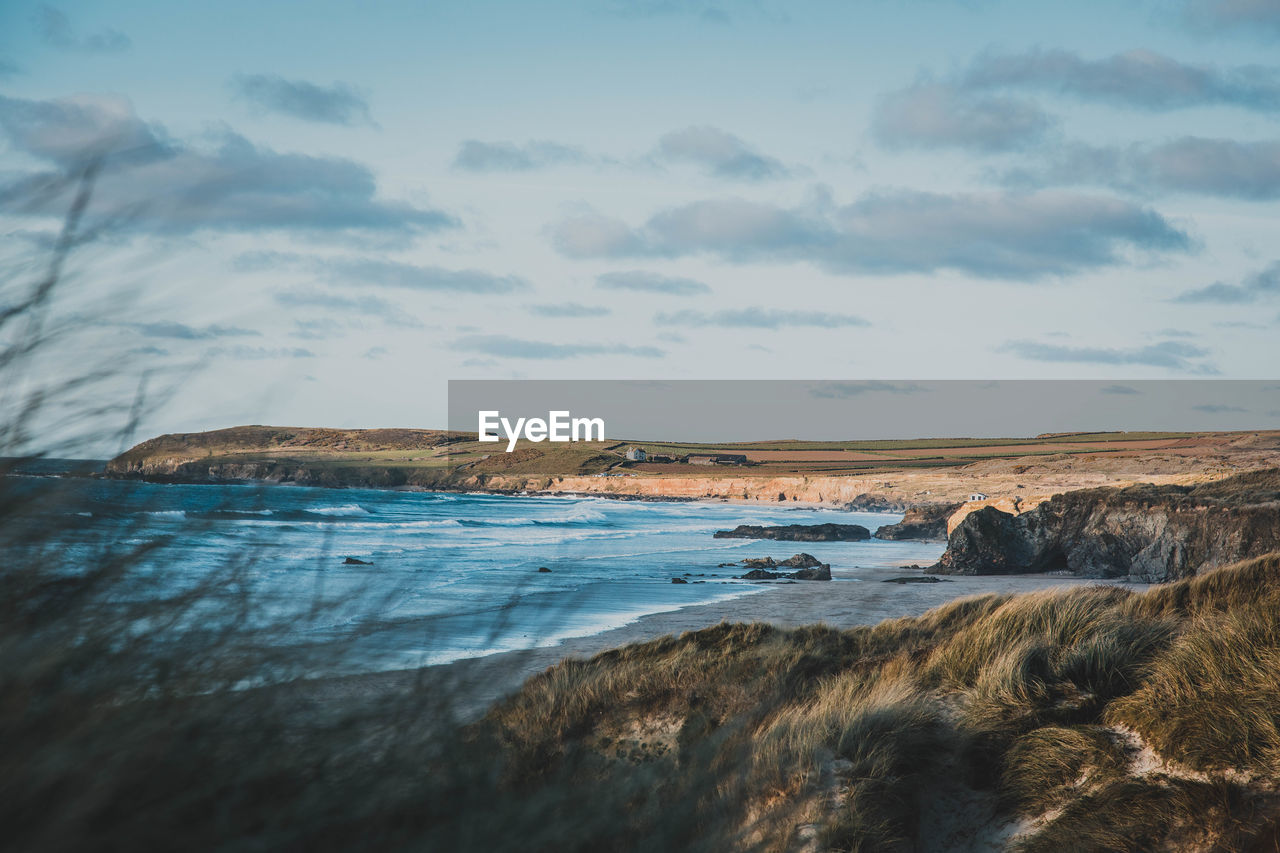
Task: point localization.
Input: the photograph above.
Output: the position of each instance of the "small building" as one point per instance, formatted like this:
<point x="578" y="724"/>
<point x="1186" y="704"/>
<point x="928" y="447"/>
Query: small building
<point x="977" y="496"/>
<point x="716" y="459"/>
<point x="636" y="454"/>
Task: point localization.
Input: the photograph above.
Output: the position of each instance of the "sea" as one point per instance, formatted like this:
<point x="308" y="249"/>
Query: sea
<point x="402" y="579"/>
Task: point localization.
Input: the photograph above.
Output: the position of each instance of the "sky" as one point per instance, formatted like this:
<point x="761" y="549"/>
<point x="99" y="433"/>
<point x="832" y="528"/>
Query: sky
<point x="318" y="214"/>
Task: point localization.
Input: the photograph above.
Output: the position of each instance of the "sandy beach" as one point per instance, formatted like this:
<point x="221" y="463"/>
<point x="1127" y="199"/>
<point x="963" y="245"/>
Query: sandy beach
<point x="473" y="684"/>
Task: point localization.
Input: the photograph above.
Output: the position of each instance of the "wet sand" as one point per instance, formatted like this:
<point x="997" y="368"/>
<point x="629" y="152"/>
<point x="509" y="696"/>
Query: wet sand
<point x="473" y="684"/>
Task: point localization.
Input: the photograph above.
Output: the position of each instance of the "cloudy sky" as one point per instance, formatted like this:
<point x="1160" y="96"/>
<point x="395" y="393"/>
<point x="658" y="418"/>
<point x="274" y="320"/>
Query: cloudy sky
<point x="322" y="212"/>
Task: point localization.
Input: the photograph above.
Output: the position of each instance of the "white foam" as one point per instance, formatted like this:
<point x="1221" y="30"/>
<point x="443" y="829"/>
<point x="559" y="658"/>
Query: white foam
<point x="339" y="511"/>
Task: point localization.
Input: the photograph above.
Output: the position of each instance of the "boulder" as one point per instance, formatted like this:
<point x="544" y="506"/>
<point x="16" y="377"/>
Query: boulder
<point x="352" y="561"/>
<point x="816" y="573"/>
<point x="759" y="575"/>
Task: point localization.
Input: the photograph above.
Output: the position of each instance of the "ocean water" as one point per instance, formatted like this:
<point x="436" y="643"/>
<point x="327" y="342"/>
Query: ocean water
<point x="450" y="575"/>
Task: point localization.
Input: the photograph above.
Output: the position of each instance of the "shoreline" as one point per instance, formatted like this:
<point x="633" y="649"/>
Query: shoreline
<point x="474" y="684"/>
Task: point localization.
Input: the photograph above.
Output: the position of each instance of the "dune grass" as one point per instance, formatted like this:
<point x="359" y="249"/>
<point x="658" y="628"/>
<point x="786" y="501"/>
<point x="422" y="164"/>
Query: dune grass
<point x="1098" y="718"/>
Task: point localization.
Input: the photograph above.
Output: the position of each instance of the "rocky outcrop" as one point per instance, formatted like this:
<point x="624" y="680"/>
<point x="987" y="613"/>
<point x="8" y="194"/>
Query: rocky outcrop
<point x="867" y="502"/>
<point x="800" y="561"/>
<point x="798" y="532"/>
<point x="817" y="573"/>
<point x="1012" y="504"/>
<point x="1146" y="533"/>
<point x="808" y="566"/>
<point x="927" y="522"/>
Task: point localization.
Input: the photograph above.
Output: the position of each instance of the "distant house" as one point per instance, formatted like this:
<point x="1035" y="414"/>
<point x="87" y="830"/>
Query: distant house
<point x="977" y="496"/>
<point x="636" y="454"/>
<point x="716" y="459"/>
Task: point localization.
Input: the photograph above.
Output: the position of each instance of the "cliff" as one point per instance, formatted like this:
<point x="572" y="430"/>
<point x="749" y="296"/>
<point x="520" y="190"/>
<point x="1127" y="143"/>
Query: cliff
<point x="1145" y="533"/>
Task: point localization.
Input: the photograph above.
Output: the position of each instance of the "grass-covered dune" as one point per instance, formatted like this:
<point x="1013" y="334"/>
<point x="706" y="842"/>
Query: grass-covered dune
<point x="1092" y="718"/>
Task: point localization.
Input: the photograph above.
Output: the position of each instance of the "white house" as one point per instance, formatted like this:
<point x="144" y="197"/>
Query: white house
<point x="977" y="496"/>
<point x="636" y="454"/>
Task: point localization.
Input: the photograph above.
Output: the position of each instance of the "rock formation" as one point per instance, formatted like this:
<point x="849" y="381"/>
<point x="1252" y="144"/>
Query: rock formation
<point x="926" y="522"/>
<point x="798" y="532"/>
<point x="1145" y="533"/>
<point x="809" y="569"/>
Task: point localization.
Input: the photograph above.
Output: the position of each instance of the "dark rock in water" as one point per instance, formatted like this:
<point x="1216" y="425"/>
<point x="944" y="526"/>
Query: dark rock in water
<point x="758" y="563"/>
<point x="927" y="522"/>
<point x="798" y="532"/>
<point x="725" y="565"/>
<point x="544" y="569"/>
<point x="917" y="579"/>
<point x="678" y="580"/>
<point x="814" y="573"/>
<point x="809" y="569"/>
<point x="352" y="561"/>
<point x="801" y="561"/>
<point x="1144" y="532"/>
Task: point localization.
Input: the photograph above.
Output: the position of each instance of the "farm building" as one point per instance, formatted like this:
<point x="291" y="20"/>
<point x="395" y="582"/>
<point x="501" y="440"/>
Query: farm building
<point x="716" y="459"/>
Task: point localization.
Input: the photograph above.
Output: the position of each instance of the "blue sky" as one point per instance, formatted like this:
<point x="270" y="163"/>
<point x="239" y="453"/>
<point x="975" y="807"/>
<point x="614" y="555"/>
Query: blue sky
<point x="336" y="208"/>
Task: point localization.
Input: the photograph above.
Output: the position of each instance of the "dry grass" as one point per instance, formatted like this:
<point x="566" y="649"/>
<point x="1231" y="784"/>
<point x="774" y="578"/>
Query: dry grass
<point x="836" y="738"/>
<point x="1212" y="701"/>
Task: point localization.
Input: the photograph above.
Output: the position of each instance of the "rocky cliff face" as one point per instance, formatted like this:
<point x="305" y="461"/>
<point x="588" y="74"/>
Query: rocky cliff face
<point x="273" y="471"/>
<point x="927" y="522"/>
<point x="1147" y="533"/>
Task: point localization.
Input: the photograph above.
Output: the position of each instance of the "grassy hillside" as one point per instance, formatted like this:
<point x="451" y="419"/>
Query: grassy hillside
<point x="435" y="457"/>
<point x="1089" y="719"/>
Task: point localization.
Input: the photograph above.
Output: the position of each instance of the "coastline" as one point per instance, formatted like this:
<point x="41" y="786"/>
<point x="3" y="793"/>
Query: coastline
<point x="472" y="685"/>
<point x="639" y="497"/>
